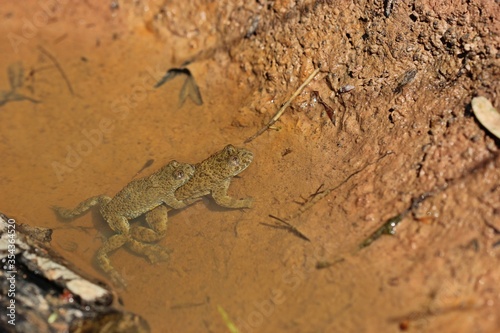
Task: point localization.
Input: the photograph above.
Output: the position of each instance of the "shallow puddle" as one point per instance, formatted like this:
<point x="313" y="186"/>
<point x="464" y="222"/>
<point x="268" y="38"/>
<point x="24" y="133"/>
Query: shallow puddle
<point x="97" y="123"/>
<point x="83" y="118"/>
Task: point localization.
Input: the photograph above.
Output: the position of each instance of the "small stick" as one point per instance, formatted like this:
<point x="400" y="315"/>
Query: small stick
<point x="187" y="305"/>
<point x="316" y="197"/>
<point x="311" y="196"/>
<point x="282" y="109"/>
<point x="329" y="111"/>
<point x="318" y="191"/>
<point x="59" y="68"/>
<point x="289" y="227"/>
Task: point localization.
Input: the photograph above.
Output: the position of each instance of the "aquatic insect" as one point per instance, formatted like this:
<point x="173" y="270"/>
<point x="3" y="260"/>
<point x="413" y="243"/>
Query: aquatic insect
<point x="189" y="88"/>
<point x="16" y="76"/>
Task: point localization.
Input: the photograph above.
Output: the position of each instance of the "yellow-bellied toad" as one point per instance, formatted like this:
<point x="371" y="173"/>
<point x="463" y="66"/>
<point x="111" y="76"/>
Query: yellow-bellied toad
<point x="211" y="176"/>
<point x="138" y="197"/>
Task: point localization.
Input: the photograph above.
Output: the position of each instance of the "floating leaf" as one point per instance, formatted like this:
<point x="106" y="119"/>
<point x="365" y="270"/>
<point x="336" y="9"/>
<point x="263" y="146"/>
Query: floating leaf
<point x="487" y="115"/>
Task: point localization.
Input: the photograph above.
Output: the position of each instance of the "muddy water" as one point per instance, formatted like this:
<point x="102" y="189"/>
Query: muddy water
<point x="98" y="121"/>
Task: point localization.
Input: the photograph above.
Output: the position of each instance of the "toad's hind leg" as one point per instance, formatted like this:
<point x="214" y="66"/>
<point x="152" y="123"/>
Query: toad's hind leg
<point x="157" y="219"/>
<point x="112" y="244"/>
<point x="117" y="223"/>
<point x="154" y="252"/>
<point x="82" y="207"/>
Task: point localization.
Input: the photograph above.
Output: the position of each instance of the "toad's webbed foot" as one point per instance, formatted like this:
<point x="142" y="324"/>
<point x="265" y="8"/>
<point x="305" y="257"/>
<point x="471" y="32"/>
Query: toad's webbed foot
<point x="157" y="219"/>
<point x="222" y="199"/>
<point x="154" y="252"/>
<point x="112" y="244"/>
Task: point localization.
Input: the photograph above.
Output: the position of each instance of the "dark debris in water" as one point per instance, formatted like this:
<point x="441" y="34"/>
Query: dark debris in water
<point x="189" y="88"/>
<point x="16" y="79"/>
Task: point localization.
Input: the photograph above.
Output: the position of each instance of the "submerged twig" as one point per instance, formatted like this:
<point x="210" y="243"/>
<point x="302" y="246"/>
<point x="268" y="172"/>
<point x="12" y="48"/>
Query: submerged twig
<point x="317" y="192"/>
<point x="188" y="305"/>
<point x="59" y="68"/>
<point x="283" y="108"/>
<point x="321" y="194"/>
<point x="287" y="226"/>
<point x="311" y="196"/>
<point x="329" y="111"/>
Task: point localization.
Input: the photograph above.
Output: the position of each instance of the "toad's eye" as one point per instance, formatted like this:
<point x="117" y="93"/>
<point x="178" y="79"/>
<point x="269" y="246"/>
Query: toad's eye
<point x="178" y="174"/>
<point x="234" y="160"/>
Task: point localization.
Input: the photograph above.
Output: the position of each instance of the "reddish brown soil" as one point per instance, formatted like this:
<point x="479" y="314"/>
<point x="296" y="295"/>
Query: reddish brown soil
<point x="404" y="131"/>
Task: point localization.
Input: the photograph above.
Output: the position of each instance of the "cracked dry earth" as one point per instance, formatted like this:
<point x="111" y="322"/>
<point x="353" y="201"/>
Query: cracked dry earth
<point x="386" y="121"/>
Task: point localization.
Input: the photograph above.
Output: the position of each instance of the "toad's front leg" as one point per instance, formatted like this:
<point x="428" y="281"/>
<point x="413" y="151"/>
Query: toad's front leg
<point x="220" y="196"/>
